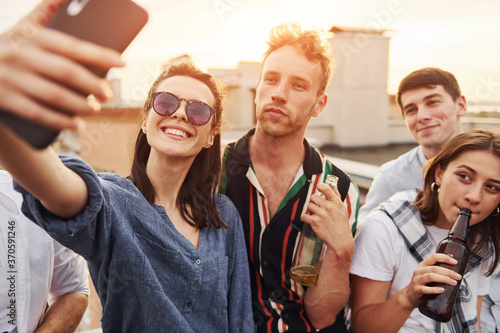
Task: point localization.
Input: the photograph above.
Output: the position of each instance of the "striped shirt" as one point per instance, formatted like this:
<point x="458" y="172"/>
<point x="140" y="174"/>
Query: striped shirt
<point x="270" y="241"/>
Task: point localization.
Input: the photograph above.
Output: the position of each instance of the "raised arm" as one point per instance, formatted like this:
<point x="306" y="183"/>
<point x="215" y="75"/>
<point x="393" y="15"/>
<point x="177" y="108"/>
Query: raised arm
<point x="40" y="70"/>
<point x="42" y="173"/>
<point x="329" y="221"/>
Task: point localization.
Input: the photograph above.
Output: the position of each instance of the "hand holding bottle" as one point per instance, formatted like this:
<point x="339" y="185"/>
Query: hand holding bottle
<point x="428" y="272"/>
<point x="328" y="217"/>
<point x="440" y="306"/>
<point x="326" y="229"/>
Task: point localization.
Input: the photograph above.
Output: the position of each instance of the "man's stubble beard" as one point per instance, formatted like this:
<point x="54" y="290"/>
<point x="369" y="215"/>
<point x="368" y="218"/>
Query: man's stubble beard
<point x="282" y="127"/>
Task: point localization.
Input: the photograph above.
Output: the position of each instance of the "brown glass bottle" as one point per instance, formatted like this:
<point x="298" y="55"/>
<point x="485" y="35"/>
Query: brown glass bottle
<point x="440" y="306"/>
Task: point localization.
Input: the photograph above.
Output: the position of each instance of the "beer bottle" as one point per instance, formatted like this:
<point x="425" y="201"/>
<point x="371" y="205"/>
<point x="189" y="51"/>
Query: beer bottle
<point x="439" y="306"/>
<point x="310" y="251"/>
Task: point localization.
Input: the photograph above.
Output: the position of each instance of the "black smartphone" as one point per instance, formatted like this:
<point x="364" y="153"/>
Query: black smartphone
<point x="110" y="23"/>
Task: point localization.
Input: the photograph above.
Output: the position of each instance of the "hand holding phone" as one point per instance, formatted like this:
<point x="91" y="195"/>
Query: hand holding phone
<point x="109" y="23"/>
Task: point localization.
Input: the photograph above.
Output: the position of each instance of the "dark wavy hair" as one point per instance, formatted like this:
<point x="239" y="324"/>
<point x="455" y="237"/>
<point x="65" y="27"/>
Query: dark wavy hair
<point x="429" y="77"/>
<point x="197" y="198"/>
<point x="484" y="236"/>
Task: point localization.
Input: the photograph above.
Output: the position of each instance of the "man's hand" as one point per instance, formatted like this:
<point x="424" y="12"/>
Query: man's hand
<point x="329" y="219"/>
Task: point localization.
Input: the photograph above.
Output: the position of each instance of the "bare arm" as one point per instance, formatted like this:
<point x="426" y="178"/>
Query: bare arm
<point x="369" y="300"/>
<point x="478" y="308"/>
<point x="329" y="221"/>
<point x="64" y="315"/>
<point x="373" y="312"/>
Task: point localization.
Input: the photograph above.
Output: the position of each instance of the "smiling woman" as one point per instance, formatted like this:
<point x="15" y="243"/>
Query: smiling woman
<point x="176" y="139"/>
<point x="161" y="241"/>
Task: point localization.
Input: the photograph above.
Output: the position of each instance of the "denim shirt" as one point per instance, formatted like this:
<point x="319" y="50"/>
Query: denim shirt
<point x="148" y="276"/>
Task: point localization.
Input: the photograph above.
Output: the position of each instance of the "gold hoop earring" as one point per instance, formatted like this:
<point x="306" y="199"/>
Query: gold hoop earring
<point x="435" y="187"/>
<point x="497" y="212"/>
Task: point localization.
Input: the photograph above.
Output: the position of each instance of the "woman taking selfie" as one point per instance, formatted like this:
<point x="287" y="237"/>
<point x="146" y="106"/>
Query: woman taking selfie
<point x="395" y="247"/>
<point x="164" y="249"/>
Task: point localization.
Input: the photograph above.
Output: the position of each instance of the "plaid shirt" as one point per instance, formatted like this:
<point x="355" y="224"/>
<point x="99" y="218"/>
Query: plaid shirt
<point x="271" y="240"/>
<point x="407" y="218"/>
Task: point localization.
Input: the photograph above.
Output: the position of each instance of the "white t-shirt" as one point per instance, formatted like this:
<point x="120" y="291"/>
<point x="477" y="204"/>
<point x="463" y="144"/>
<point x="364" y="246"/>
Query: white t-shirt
<point x="381" y="254"/>
<point x="34" y="269"/>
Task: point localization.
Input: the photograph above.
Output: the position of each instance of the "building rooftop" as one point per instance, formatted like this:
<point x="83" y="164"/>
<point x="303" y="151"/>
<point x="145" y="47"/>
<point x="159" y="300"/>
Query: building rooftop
<point x="369" y="155"/>
<point x="337" y="29"/>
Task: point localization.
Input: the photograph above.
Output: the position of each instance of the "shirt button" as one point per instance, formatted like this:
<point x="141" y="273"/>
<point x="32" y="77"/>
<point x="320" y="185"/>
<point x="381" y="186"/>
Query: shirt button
<point x="265" y="263"/>
<point x="286" y="315"/>
<point x="196" y="284"/>
<point x="189" y="304"/>
<point x="198" y="261"/>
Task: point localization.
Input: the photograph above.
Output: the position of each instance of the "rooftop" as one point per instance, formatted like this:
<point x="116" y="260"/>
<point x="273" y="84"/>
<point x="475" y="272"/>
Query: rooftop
<point x="370" y="155"/>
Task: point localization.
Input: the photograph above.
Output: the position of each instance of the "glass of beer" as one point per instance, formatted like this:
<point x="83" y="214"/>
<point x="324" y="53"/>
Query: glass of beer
<point x="308" y="258"/>
<point x="310" y="251"/>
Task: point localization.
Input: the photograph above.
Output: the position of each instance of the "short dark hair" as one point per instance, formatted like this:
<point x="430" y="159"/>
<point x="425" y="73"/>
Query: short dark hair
<point x="429" y="77"/>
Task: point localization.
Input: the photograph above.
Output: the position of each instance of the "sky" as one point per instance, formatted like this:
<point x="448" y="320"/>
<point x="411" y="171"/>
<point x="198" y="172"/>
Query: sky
<point x="460" y="36"/>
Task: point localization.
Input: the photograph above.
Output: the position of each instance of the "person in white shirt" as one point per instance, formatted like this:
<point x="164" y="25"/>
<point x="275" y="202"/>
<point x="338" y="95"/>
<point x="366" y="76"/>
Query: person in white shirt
<point x="394" y="255"/>
<point x="432" y="105"/>
<point x="36" y="271"/>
